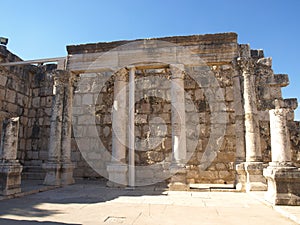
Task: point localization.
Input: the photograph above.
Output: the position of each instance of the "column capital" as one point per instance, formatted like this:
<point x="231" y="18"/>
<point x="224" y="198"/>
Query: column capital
<point x="279" y="111"/>
<point x="62" y="77"/>
<point x="121" y="75"/>
<point x="177" y="71"/>
<point x="246" y="65"/>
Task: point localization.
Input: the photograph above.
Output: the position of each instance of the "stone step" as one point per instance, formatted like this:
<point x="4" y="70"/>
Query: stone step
<point x="33" y="173"/>
<point x="33" y="176"/>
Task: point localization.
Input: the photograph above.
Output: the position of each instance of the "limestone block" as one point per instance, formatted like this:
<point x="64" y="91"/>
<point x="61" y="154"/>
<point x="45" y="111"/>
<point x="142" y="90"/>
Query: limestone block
<point x="291" y="103"/>
<point x="52" y="173"/>
<point x="67" y="173"/>
<point x="36" y="102"/>
<point x="178" y="179"/>
<point x="10" y="96"/>
<point x="87" y="99"/>
<point x="3" y="80"/>
<point x="140" y="118"/>
<point x="117" y="175"/>
<point x="283" y="185"/>
<point x="279" y="80"/>
<point x="10" y="178"/>
<point x="265" y="62"/>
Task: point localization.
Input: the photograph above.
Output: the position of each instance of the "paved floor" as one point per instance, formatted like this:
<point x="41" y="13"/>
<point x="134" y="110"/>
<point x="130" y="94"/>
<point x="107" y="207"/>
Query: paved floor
<point x="93" y="203"/>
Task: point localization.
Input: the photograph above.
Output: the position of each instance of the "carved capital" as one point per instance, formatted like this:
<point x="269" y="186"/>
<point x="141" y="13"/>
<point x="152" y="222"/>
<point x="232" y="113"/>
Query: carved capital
<point x="62" y="77"/>
<point x="246" y="65"/>
<point x="121" y="75"/>
<point x="177" y="71"/>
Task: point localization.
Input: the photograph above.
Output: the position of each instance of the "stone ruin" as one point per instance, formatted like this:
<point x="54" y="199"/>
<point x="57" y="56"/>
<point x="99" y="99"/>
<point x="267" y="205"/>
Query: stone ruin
<point x="181" y="110"/>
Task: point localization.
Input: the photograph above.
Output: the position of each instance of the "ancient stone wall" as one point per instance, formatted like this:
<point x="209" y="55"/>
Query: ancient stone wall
<point x="27" y="92"/>
<point x="38" y="128"/>
<point x="15" y="97"/>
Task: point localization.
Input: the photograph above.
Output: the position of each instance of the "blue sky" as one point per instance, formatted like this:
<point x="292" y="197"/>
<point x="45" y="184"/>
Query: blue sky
<point x="42" y="29"/>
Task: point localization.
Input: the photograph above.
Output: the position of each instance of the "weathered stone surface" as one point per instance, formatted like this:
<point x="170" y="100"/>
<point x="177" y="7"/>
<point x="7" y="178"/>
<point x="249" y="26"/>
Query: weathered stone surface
<point x="247" y="89"/>
<point x="10" y="168"/>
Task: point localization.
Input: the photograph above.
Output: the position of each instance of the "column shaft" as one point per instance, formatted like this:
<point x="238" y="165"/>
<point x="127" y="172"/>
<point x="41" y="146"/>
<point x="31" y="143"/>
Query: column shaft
<point x="54" y="152"/>
<point x="252" y="136"/>
<point x="280" y="144"/>
<point x="67" y="121"/>
<point x="119" y="117"/>
<point x="250" y="173"/>
<point x="131" y="111"/>
<point x="283" y="177"/>
<point x="178" y="114"/>
<point x="59" y="166"/>
<point x="117" y="169"/>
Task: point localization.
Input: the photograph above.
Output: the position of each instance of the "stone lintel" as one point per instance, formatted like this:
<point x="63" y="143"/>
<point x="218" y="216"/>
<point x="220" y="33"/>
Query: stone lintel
<point x="283" y="185"/>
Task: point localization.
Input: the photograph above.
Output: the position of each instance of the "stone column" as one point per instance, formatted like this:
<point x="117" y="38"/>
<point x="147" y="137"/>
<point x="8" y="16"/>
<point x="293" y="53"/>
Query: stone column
<point x="253" y="166"/>
<point x="59" y="168"/>
<point x="240" y="179"/>
<point x="283" y="178"/>
<point x="117" y="169"/>
<point x="178" y="180"/>
<point x="10" y="168"/>
<point x="131" y="138"/>
<point x="53" y="165"/>
<point x="67" y="166"/>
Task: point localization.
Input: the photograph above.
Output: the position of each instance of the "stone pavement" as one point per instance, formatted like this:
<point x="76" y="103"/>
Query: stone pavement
<point x="90" y="202"/>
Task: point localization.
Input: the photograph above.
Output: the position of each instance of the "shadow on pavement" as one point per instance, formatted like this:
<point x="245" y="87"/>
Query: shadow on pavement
<point x="83" y="192"/>
<point x="31" y="222"/>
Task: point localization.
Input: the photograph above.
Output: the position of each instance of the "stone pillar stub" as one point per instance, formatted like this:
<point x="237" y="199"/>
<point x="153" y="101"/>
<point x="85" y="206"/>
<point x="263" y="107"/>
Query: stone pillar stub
<point x="10" y="168"/>
<point x="117" y="169"/>
<point x="283" y="178"/>
<point x="9" y="139"/>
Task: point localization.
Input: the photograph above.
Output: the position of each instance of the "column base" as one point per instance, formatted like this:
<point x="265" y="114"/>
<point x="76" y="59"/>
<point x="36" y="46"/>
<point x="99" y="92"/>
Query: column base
<point x="178" y="179"/>
<point x="67" y="173"/>
<point x="283" y="185"/>
<point x="117" y="175"/>
<point x="250" y="177"/>
<point x="53" y="170"/>
<point x="10" y="177"/>
<point x="241" y="177"/>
